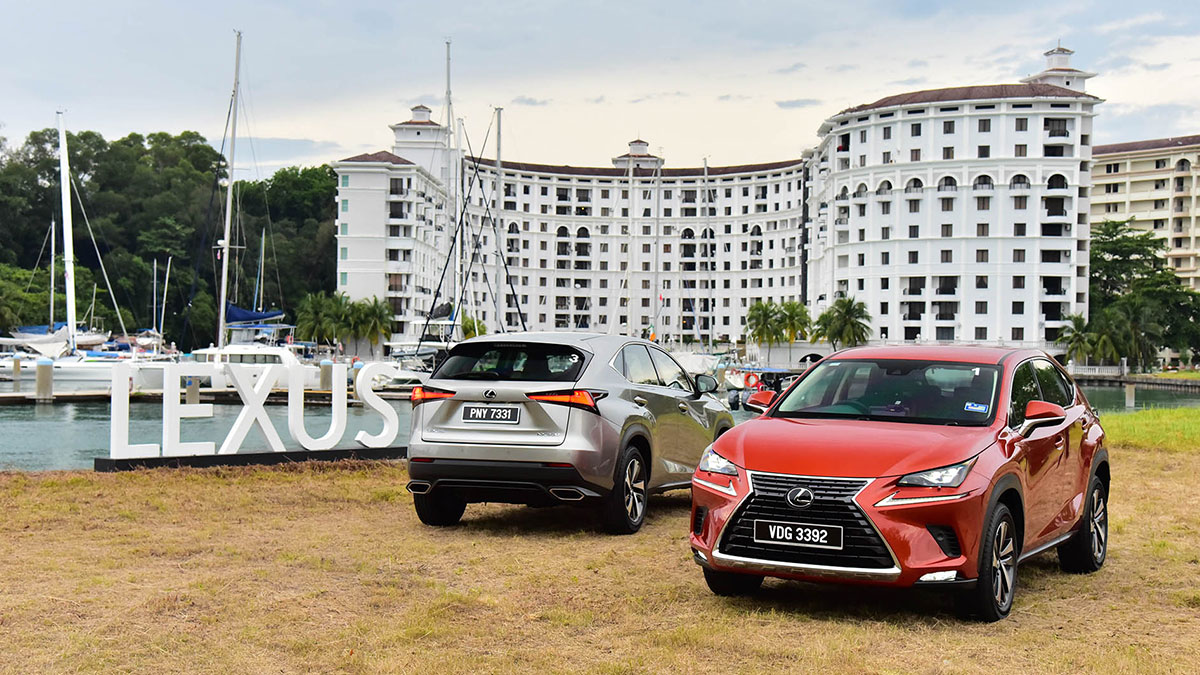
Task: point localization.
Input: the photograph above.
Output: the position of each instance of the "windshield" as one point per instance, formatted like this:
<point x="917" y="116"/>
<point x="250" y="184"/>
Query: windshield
<point x="531" y="362"/>
<point x="894" y="390"/>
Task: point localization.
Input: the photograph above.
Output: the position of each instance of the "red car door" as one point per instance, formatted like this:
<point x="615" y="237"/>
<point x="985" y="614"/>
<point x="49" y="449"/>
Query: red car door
<point x="1038" y="454"/>
<point x="1069" y="475"/>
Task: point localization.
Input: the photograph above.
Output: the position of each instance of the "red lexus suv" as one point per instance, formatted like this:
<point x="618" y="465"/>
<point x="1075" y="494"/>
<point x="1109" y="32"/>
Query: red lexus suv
<point x="907" y="466"/>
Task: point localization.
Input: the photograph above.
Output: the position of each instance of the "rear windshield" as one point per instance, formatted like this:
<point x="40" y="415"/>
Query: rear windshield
<point x="896" y="391"/>
<point x="521" y="362"/>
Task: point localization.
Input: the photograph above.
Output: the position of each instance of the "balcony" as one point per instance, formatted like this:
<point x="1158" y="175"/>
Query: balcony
<point x="912" y="316"/>
<point x="917" y="290"/>
<point x="947" y="290"/>
<point x="944" y="316"/>
<point x="914" y="190"/>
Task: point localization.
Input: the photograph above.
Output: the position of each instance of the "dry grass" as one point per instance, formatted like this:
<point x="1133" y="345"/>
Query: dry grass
<point x="326" y="569"/>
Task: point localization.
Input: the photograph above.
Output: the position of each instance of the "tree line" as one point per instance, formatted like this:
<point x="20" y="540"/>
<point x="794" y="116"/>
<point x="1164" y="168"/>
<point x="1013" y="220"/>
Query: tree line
<point x="148" y="198"/>
<point x="846" y="322"/>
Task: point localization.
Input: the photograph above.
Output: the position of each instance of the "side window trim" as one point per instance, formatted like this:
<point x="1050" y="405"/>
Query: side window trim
<point x="663" y="383"/>
<point x="1012" y="389"/>
<point x="625" y="362"/>
<point x="1058" y="373"/>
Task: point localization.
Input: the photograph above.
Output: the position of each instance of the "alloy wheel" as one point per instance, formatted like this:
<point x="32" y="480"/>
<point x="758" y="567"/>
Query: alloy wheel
<point x="635" y="489"/>
<point x="1099" y="524"/>
<point x="1004" y="563"/>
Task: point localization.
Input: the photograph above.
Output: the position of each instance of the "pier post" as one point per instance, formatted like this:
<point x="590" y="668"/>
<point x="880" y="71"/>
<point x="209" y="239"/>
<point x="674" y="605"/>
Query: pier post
<point x="192" y="391"/>
<point x="358" y="366"/>
<point x="326" y="375"/>
<point x="16" y="373"/>
<point x="44" y="392"/>
<point x="1129" y="396"/>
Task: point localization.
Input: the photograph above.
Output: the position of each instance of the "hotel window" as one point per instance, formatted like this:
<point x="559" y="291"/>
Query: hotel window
<point x="887" y="133"/>
<point x="981" y="306"/>
<point x="981" y="281"/>
<point x="1112" y="168"/>
<point x="862" y="259"/>
<point x="343" y="278"/>
<point x="886" y="233"/>
<point x="985" y="125"/>
<point x="980" y="333"/>
<point x="948" y="127"/>
<point x="862" y="136"/>
<point x="983" y="203"/>
<point x="345" y="181"/>
<point x="947" y="203"/>
<point x="885" y="258"/>
<point x="883" y="308"/>
<point x="887" y="158"/>
<point x="1021" y="150"/>
<point x="1018" y="333"/>
<point x="885" y="208"/>
<point x="345" y="205"/>
<point x="862" y="160"/>
<point x="981" y="256"/>
<point x="1021" y="202"/>
<point x="914" y="231"/>
<point x="1018" y="307"/>
<point x="913" y="258"/>
<point x="345" y="252"/>
<point x="1019" y="255"/>
<point x="914" y="206"/>
<point x="981" y="230"/>
<point x="916" y="129"/>
<point x="883" y="284"/>
<point x="1110" y="188"/>
<point x="346" y="230"/>
<point x="948" y="152"/>
<point x="1022" y="124"/>
<point x="985" y="151"/>
<point x="1018" y="282"/>
<point x="1018" y="229"/>
<point x="914" y="155"/>
<point x="947" y="230"/>
<point x="947" y="256"/>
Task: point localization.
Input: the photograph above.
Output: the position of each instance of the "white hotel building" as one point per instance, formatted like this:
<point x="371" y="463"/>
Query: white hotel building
<point x="954" y="214"/>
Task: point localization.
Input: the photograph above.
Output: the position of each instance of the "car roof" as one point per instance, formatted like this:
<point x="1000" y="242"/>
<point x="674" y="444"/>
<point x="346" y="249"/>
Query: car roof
<point x="951" y="353"/>
<point x="592" y="342"/>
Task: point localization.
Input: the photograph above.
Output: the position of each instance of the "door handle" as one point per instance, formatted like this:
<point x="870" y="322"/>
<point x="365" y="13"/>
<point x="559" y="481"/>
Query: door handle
<point x="683" y="407"/>
<point x="639" y="400"/>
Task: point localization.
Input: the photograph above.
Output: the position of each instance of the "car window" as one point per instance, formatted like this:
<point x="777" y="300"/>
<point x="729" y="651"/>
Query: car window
<point x="639" y="369"/>
<point x="669" y="372"/>
<point x="1024" y="390"/>
<point x="532" y="362"/>
<point x="1055" y="388"/>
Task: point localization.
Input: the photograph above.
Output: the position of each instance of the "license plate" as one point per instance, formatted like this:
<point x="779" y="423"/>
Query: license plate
<point x="798" y="534"/>
<point x="491" y="414"/>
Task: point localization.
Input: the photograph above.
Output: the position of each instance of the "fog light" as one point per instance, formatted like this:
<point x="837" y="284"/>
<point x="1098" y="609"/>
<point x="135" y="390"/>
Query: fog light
<point x="939" y="576"/>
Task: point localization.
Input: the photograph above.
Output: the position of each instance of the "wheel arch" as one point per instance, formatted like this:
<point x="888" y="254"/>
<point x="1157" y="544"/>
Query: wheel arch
<point x="1008" y="491"/>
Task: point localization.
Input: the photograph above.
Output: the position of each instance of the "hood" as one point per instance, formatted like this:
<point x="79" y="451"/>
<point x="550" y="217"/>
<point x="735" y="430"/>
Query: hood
<point x="849" y="448"/>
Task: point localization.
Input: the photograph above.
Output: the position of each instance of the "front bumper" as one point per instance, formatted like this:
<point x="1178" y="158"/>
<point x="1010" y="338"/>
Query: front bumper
<point x="906" y="529"/>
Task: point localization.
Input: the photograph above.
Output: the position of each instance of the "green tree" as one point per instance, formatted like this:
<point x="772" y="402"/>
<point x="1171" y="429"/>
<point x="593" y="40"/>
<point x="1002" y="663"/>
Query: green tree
<point x="315" y="318"/>
<point x="762" y="324"/>
<point x="1120" y="257"/>
<point x="846" y="322"/>
<point x="1076" y="339"/>
<point x="375" y="321"/>
<point x="795" y="323"/>
<point x="472" y="327"/>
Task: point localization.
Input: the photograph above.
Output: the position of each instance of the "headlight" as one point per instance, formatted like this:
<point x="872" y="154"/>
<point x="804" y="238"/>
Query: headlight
<point x="711" y="462"/>
<point x="947" y="476"/>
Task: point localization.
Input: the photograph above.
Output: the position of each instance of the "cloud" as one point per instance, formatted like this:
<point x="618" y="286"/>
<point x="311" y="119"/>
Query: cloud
<point x="1131" y="122"/>
<point x="791" y="69"/>
<point x="529" y="100"/>
<point x="598" y="99"/>
<point x="798" y="103"/>
<point x="908" y="82"/>
<point x="1157" y="66"/>
<point x="918" y="63"/>
<point x="842" y="68"/>
<point x="733" y="97"/>
<point x="661" y="94"/>
<point x="1131" y="22"/>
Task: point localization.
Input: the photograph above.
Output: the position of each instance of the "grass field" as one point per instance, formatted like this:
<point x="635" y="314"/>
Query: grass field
<point x="324" y="568"/>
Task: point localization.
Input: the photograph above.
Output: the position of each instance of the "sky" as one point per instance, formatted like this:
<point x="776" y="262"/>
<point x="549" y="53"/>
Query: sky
<point x="732" y="82"/>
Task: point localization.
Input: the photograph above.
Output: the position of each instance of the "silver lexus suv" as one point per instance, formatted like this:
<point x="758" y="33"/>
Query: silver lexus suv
<point x="558" y="418"/>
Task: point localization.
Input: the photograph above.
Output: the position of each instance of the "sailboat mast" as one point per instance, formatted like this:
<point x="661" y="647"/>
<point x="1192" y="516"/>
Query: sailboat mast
<point x="162" y="308"/>
<point x="499" y="196"/>
<point x="53" y="246"/>
<point x="262" y="242"/>
<point x="64" y="168"/>
<point x="224" y="243"/>
<point x="154" y="297"/>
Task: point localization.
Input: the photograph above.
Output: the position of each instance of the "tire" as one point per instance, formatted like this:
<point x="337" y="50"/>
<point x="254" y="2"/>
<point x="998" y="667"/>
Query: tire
<point x="731" y="584"/>
<point x="624" y="509"/>
<point x="1086" y="551"/>
<point x="992" y="597"/>
<point x="439" y="509"/>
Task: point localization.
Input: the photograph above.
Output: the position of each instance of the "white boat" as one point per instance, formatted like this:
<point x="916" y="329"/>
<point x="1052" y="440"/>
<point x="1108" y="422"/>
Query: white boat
<point x="258" y="357"/>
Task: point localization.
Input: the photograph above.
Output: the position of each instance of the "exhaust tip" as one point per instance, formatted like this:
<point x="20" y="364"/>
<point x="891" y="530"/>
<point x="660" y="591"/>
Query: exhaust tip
<point x="418" y="487"/>
<point x="567" y="494"/>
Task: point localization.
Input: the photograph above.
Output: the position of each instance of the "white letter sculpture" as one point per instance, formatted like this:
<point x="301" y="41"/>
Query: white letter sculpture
<point x="118" y="435"/>
<point x="254" y="396"/>
<point x="173" y="410"/>
<point x="372" y="400"/>
<point x="337" y="423"/>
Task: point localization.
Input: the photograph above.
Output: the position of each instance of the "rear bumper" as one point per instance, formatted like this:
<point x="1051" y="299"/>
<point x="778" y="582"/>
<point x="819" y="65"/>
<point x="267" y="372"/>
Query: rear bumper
<point x="505" y="482"/>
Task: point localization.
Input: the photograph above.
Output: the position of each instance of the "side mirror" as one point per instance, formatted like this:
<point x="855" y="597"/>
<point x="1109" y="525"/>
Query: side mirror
<point x="1041" y="414"/>
<point x="759" y="401"/>
<point x="705" y="384"/>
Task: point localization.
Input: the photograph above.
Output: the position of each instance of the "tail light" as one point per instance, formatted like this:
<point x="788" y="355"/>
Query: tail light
<point x="422" y="394"/>
<point x="574" y="398"/>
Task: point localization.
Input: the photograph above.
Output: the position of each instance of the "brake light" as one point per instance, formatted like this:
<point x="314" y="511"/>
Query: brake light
<point x="423" y="394"/>
<point x="575" y="398"/>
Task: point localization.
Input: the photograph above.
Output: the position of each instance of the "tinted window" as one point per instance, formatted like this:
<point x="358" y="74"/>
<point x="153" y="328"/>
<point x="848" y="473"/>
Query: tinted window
<point x="639" y="369"/>
<point x="669" y="372"/>
<point x="1024" y="390"/>
<point x="894" y="390"/>
<point x="1055" y="388"/>
<point x="532" y="362"/>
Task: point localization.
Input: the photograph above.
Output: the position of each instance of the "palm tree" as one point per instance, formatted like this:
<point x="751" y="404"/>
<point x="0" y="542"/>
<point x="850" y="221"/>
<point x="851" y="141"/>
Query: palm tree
<point x="1145" y="334"/>
<point x="345" y="316"/>
<point x="315" y="320"/>
<point x="846" y="321"/>
<point x="762" y="324"/>
<point x="1076" y="338"/>
<point x="375" y="321"/>
<point x="795" y="323"/>
<point x="1105" y="335"/>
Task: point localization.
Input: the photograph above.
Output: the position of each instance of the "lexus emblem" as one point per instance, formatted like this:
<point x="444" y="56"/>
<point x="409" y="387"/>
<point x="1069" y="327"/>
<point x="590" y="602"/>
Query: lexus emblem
<point x="800" y="497"/>
<point x="489" y="394"/>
